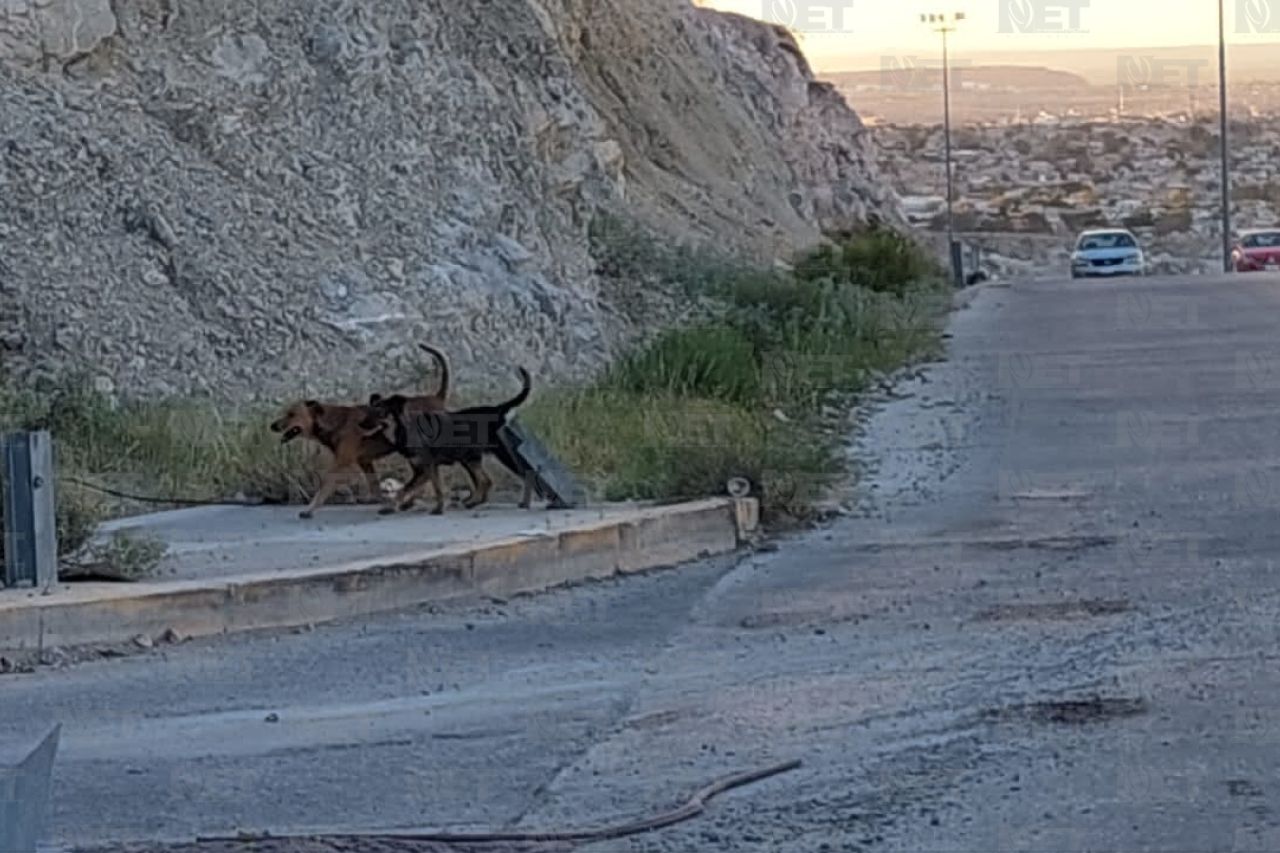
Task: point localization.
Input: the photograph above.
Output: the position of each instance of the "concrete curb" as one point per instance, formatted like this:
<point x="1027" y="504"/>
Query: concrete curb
<point x="654" y="537"/>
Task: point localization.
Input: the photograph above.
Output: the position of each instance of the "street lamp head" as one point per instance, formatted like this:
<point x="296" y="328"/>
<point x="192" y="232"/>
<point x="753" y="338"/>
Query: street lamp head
<point x="941" y="19"/>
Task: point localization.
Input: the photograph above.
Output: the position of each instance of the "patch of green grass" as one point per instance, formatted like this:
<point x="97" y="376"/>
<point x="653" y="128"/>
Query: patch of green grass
<point x="716" y="361"/>
<point x="78" y="515"/>
<point x="739" y="395"/>
<point x="878" y="259"/>
<point x="129" y="556"/>
<point x="626" y="251"/>
<point x="191" y="449"/>
<point x="665" y="446"/>
<point x="183" y="449"/>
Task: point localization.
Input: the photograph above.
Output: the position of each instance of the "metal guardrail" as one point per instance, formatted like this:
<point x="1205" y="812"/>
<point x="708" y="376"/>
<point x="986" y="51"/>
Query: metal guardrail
<point x="24" y="797"/>
<point x="29" y="505"/>
<point x="550" y="477"/>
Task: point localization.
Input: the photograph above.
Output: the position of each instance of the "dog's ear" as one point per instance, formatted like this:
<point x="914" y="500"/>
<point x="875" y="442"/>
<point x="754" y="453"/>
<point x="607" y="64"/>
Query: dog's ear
<point x="375" y="399"/>
<point x="314" y="407"/>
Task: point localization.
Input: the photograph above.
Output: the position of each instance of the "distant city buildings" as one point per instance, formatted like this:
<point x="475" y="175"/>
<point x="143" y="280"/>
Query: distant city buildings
<point x="1024" y="189"/>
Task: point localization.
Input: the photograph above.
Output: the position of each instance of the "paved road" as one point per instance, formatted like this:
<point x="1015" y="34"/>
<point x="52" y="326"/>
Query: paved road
<point x="1052" y="625"/>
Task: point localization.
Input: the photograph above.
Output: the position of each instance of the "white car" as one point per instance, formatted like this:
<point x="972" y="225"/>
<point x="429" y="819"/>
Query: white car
<point x="1107" y="252"/>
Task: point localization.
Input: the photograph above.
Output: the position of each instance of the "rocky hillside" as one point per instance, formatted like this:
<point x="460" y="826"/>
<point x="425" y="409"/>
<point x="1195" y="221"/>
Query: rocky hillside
<point x="269" y="197"/>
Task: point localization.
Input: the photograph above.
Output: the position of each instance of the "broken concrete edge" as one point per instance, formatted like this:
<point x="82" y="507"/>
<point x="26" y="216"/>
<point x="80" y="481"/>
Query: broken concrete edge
<point x="634" y="541"/>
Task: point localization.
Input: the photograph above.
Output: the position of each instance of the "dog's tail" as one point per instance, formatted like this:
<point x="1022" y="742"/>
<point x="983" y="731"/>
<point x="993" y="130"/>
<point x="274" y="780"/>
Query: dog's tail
<point x="518" y="400"/>
<point x="443" y="364"/>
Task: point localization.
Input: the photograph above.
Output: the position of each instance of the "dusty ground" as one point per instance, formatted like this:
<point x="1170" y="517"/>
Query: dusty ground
<point x="1052" y="625"/>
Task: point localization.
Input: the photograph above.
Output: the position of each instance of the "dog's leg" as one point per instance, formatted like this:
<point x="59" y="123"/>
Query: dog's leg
<point x="328" y="486"/>
<point x="428" y="473"/>
<point x="408" y="492"/>
<point x="371" y="482"/>
<point x="519" y="469"/>
<point x="526" y="500"/>
<point x="475" y="484"/>
<point x="484" y="484"/>
<point x="475" y="471"/>
<point x="435" y="481"/>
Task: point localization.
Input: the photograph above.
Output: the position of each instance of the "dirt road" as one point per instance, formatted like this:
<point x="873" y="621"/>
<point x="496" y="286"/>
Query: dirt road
<point x="1051" y="625"/>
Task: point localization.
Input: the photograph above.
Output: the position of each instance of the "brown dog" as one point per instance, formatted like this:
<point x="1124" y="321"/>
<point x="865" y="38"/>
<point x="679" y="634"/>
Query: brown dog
<point x="353" y="448"/>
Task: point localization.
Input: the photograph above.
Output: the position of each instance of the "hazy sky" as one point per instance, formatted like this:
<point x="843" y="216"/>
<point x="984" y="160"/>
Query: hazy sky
<point x="833" y="30"/>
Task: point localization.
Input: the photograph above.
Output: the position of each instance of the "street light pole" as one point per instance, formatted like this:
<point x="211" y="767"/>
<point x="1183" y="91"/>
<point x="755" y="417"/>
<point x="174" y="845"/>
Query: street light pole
<point x="1222" y="138"/>
<point x="946" y="24"/>
<point x="946" y="133"/>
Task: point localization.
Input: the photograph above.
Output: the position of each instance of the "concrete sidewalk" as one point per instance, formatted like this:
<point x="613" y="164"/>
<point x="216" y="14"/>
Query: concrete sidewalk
<point x="221" y="542"/>
<point x="242" y="568"/>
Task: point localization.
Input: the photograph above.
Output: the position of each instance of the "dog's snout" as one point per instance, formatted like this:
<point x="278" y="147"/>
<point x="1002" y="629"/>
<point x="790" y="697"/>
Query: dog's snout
<point x="277" y="426"/>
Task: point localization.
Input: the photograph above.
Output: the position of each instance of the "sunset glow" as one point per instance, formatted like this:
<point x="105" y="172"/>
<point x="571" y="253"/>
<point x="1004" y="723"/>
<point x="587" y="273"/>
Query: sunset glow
<point x="839" y="34"/>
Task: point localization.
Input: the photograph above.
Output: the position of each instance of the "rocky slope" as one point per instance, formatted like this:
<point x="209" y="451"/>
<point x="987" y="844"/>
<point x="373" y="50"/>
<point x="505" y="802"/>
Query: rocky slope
<point x="263" y="198"/>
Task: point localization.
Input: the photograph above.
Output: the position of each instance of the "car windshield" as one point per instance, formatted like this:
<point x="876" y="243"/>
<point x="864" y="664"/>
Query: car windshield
<point x="1106" y="241"/>
<point x="1267" y="240"/>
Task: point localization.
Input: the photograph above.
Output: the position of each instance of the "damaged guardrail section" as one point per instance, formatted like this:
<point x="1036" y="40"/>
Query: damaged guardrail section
<point x="24" y="797"/>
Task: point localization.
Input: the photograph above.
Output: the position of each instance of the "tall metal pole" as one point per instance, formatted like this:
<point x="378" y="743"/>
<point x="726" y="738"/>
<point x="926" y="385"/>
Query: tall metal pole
<point x="946" y="132"/>
<point x="944" y="24"/>
<point x="1222" y="135"/>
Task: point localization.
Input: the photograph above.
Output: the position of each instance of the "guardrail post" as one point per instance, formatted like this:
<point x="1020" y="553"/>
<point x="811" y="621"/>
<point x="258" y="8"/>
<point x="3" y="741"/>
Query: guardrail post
<point x="24" y="797"/>
<point x="30" y="515"/>
<point x="957" y="264"/>
<point x="547" y="474"/>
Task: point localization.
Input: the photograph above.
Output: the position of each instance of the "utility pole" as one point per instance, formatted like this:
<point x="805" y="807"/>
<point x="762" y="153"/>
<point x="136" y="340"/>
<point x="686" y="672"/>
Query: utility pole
<point x="945" y="24"/>
<point x="1222" y="137"/>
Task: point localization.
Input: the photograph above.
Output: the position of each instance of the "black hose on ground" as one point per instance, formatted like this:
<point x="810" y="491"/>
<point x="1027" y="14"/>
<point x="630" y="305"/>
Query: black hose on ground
<point x="151" y="499"/>
<point x="693" y="807"/>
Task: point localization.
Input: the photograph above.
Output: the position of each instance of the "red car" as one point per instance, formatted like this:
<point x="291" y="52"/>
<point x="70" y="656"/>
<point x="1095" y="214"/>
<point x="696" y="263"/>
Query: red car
<point x="1257" y="250"/>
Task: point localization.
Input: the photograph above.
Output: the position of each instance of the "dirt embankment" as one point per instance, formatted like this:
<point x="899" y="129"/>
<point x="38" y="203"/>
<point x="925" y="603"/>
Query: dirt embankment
<point x="240" y="198"/>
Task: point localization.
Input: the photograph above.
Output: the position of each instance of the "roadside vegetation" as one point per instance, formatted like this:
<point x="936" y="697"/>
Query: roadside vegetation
<point x="747" y="389"/>
<point x="178" y="448"/>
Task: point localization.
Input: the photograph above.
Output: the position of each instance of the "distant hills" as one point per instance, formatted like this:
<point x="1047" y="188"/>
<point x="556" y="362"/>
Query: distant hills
<point x="903" y="74"/>
<point x="1099" y="82"/>
<point x="1098" y="66"/>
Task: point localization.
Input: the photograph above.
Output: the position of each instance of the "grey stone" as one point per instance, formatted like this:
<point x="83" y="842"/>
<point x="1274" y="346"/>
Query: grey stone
<point x="327" y="44"/>
<point x="31" y="30"/>
<point x="514" y="254"/>
<point x="241" y="58"/>
<point x="247" y="212"/>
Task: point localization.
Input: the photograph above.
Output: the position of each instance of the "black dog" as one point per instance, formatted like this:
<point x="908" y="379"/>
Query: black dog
<point x="429" y="439"/>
